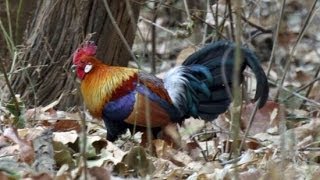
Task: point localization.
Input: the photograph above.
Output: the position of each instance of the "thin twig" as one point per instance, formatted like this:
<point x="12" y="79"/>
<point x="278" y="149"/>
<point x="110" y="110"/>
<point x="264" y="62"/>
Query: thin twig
<point x="158" y="26"/>
<point x="201" y="149"/>
<point x="260" y="28"/>
<point x="17" y="21"/>
<point x="16" y="103"/>
<point x="231" y="19"/>
<point x="216" y="17"/>
<point x="216" y="27"/>
<point x="275" y="39"/>
<point x="310" y="149"/>
<point x="83" y="143"/>
<point x="24" y="68"/>
<point x="236" y="91"/>
<point x="9" y="18"/>
<point x="32" y="85"/>
<point x="148" y="123"/>
<point x="175" y="34"/>
<point x="118" y="30"/>
<point x="208" y="132"/>
<point x="139" y="33"/>
<point x="298" y="95"/>
<point x="232" y="161"/>
<point x="205" y="27"/>
<point x="283" y="136"/>
<point x="135" y="26"/>
<point x="154" y="37"/>
<point x="310" y="84"/>
<point x="301" y="34"/>
<point x="254" y="112"/>
<point x="187" y="10"/>
<point x="9" y="42"/>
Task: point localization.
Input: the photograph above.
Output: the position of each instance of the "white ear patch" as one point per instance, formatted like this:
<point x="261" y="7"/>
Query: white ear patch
<point x="87" y="68"/>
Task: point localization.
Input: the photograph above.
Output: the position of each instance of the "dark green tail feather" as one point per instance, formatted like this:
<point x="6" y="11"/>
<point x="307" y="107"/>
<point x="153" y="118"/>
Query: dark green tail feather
<point x="213" y="59"/>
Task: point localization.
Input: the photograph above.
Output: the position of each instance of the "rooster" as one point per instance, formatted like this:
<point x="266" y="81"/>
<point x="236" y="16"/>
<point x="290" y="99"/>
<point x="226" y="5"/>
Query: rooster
<point x="199" y="88"/>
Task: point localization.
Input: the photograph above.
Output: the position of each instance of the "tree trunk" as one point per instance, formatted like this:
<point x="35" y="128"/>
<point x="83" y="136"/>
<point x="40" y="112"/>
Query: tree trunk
<point x="57" y="29"/>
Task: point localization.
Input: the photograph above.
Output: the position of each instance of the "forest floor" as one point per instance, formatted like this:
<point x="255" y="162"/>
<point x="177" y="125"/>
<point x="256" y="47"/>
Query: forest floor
<point x="283" y="142"/>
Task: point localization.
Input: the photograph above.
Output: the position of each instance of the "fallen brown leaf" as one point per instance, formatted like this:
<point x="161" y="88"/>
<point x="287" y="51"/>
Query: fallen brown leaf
<point x="66" y="137"/>
<point x="100" y="173"/>
<point x="63" y="154"/>
<point x="184" y="54"/>
<point x="250" y="174"/>
<point x="137" y="160"/>
<point x="3" y="176"/>
<point x="161" y="148"/>
<point x="26" y="151"/>
<point x="40" y="176"/>
<point x="3" y="141"/>
<point x="66" y="125"/>
<point x="265" y="118"/>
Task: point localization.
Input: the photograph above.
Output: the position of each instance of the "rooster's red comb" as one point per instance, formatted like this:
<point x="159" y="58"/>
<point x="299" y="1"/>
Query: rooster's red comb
<point x="88" y="48"/>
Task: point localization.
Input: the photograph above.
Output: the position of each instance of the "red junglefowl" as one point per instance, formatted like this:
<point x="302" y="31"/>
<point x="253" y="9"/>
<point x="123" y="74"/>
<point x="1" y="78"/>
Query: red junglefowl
<point x="198" y="88"/>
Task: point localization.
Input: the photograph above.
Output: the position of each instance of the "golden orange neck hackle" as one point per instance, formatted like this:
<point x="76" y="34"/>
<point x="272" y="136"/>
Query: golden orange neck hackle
<point x="101" y="82"/>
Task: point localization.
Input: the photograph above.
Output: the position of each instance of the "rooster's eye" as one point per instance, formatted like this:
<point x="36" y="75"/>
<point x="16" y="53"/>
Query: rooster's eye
<point x="87" y="68"/>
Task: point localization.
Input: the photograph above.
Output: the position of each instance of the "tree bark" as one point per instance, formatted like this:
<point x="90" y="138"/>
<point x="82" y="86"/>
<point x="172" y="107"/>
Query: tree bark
<point x="57" y="29"/>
